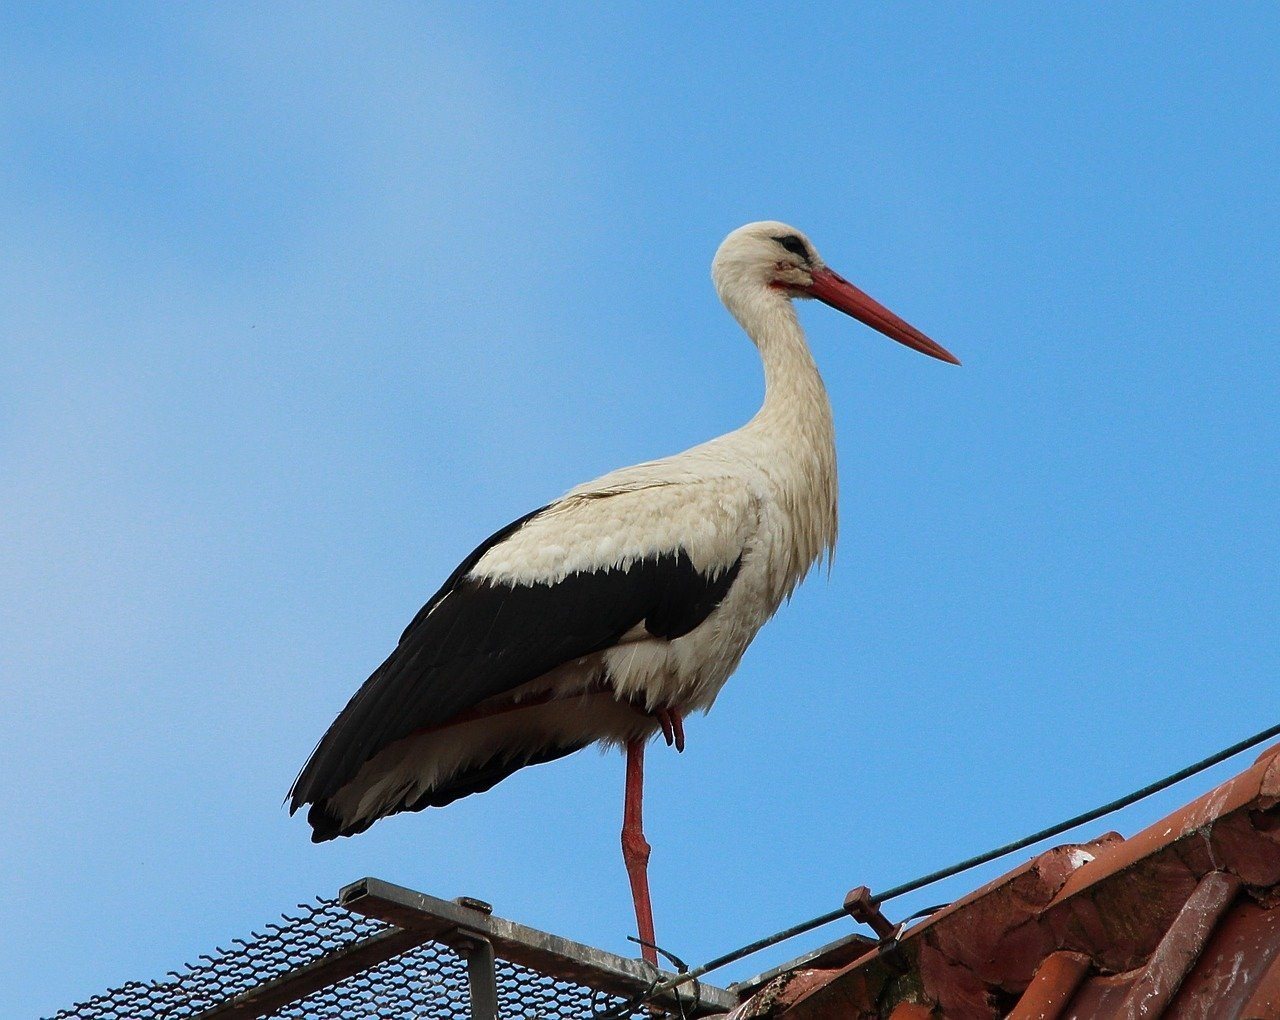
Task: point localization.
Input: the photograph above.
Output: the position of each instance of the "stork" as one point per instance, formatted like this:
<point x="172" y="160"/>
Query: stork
<point x="611" y="613"/>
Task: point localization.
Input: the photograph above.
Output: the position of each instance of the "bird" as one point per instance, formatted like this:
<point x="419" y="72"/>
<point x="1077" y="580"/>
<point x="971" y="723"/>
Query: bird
<point x="612" y="613"/>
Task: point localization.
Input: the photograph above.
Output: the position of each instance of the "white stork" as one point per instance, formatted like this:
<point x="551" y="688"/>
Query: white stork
<point x="608" y="615"/>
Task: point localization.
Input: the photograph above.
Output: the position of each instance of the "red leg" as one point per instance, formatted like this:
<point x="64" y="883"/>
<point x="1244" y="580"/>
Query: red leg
<point x="635" y="849"/>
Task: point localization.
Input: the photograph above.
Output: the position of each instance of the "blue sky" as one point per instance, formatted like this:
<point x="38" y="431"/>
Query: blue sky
<point x="300" y="302"/>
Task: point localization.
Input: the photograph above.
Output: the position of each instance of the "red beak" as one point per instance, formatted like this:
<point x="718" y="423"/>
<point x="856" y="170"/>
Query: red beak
<point x="833" y="289"/>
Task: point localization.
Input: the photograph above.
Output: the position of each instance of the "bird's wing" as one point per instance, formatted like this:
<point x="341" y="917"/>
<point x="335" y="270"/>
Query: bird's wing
<point x="562" y="582"/>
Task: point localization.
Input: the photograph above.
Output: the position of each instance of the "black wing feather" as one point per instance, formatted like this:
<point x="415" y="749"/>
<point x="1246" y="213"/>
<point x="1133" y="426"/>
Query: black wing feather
<point x="476" y="639"/>
<point x="326" y="826"/>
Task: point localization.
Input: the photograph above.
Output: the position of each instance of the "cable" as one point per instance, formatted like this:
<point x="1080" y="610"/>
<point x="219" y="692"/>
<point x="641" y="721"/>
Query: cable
<point x="972" y="862"/>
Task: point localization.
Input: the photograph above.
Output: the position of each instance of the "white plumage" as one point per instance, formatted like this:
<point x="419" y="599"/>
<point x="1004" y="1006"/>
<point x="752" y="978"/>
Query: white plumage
<point x="626" y="604"/>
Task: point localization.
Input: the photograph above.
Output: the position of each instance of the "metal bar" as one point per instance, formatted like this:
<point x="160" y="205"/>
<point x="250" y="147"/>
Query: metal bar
<point x="482" y="977"/>
<point x="321" y="973"/>
<point x="452" y="923"/>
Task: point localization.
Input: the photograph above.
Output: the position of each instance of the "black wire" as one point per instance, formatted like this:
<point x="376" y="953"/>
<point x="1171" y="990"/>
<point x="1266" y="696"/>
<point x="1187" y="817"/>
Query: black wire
<point x="973" y="862"/>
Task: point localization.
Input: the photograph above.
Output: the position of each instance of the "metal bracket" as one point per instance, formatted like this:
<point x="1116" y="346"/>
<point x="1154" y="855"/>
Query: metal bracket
<point x="863" y="908"/>
<point x="482" y="966"/>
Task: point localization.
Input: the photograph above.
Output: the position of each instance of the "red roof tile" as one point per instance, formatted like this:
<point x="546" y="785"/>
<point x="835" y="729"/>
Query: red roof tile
<point x="1181" y="920"/>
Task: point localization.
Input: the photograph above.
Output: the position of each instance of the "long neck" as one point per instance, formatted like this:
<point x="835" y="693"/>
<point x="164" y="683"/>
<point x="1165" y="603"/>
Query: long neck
<point x="794" y="394"/>
<point x="795" y="425"/>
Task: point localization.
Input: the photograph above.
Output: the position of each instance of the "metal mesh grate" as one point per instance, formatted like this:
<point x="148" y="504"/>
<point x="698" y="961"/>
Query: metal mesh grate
<point x="425" y="982"/>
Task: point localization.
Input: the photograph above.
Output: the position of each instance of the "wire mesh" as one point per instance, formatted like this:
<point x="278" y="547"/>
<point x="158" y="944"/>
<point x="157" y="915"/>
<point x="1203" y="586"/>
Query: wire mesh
<point x="428" y="982"/>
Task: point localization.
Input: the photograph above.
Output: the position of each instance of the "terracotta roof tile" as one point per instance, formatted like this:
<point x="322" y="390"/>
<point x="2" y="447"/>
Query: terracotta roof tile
<point x="1180" y="920"/>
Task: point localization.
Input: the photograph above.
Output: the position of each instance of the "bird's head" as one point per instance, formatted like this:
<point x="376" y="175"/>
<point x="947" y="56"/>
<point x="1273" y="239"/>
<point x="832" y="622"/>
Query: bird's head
<point x="769" y="262"/>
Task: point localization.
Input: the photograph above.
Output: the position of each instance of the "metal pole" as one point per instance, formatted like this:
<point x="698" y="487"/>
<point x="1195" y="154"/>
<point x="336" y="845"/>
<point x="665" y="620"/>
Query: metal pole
<point x="482" y="977"/>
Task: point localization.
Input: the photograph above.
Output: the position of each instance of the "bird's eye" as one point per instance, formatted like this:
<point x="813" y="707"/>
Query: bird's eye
<point x="794" y="245"/>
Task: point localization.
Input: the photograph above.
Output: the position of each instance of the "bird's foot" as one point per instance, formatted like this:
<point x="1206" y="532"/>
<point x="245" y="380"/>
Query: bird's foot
<point x="672" y="722"/>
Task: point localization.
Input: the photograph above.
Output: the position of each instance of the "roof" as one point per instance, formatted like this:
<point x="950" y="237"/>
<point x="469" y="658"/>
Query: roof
<point x="1180" y="920"/>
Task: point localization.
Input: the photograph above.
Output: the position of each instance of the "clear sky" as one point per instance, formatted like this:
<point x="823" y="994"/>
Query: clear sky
<point x="299" y="302"/>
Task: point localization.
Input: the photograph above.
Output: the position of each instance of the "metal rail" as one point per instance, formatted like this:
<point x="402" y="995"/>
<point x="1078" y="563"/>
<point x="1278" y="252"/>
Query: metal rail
<point x="460" y="924"/>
